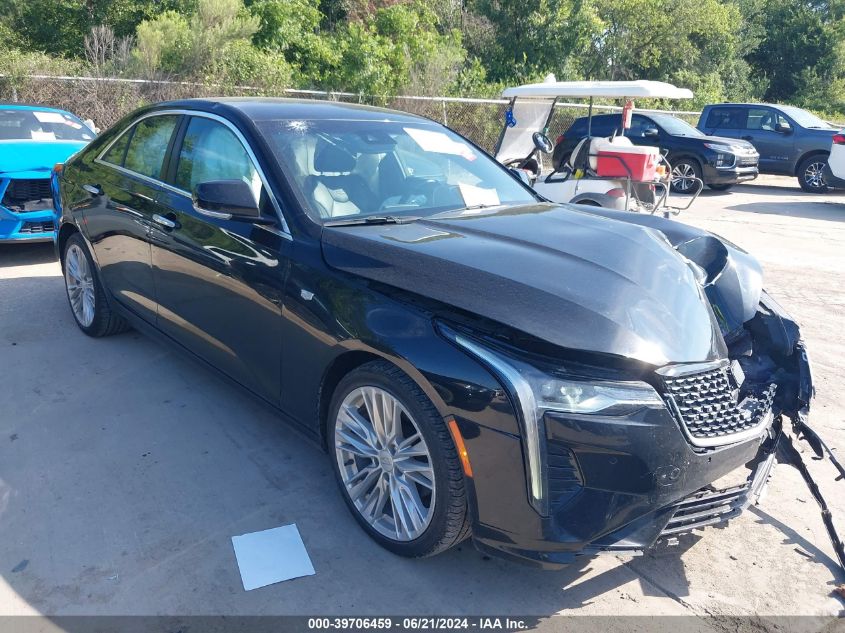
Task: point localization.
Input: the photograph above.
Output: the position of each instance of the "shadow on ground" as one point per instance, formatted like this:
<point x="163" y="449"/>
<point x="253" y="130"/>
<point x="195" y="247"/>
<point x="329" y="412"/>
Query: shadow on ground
<point x="26" y="254"/>
<point x="828" y="210"/>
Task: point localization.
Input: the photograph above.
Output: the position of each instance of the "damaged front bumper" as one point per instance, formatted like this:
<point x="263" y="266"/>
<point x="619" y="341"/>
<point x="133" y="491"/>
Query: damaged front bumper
<point x="622" y="484"/>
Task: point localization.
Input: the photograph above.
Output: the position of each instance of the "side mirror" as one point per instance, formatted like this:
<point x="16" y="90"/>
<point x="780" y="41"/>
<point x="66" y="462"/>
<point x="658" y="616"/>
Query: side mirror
<point x="783" y="128"/>
<point x="542" y="142"/>
<point x="227" y="199"/>
<point x="651" y="132"/>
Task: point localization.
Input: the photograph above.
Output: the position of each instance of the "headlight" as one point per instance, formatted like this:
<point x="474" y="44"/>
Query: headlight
<point x="718" y="147"/>
<point x="570" y="396"/>
<point x="535" y="392"/>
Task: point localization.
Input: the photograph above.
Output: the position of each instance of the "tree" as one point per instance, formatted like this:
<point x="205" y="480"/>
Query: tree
<point x="518" y="41"/>
<point x="193" y="45"/>
<point x="801" y="54"/>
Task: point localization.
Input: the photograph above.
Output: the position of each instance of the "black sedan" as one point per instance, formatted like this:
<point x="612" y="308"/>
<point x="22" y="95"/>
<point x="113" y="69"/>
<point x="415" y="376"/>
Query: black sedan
<point x="548" y="380"/>
<point x="719" y="162"/>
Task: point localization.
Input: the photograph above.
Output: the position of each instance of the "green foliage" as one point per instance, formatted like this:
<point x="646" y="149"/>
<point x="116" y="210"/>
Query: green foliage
<point x="292" y="29"/>
<point x="800" y="54"/>
<point x="162" y="43"/>
<point x="790" y="51"/>
<point x="190" y="46"/>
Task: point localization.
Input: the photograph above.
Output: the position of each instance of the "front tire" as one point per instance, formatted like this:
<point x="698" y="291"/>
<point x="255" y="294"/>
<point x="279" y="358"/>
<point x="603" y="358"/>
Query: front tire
<point x="396" y="463"/>
<point x="810" y="175"/>
<point x="684" y="173"/>
<point x="85" y="293"/>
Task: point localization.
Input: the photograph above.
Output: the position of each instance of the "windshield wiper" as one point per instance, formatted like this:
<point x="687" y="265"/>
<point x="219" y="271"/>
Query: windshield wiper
<point x="373" y="219"/>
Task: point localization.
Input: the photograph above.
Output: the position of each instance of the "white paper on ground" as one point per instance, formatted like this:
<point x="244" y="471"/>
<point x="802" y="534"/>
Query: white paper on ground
<point x="271" y="556"/>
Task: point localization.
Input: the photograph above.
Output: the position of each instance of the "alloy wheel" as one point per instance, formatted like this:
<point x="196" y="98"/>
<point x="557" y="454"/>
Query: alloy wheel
<point x="814" y="175"/>
<point x="80" y="285"/>
<point x="384" y="463"/>
<point x="683" y="176"/>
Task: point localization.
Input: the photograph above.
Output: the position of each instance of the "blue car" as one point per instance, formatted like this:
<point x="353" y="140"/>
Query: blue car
<point x="32" y="140"/>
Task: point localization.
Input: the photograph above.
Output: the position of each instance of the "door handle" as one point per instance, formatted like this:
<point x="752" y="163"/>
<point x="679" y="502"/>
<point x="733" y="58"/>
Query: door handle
<point x="165" y="222"/>
<point x="94" y="190"/>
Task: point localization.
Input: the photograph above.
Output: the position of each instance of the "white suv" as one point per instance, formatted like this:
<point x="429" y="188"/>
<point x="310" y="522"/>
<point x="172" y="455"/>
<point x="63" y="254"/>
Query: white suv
<point x="834" y="172"/>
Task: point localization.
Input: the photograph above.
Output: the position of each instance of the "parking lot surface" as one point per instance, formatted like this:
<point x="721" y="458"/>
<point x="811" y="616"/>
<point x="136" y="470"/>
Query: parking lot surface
<point x="125" y="470"/>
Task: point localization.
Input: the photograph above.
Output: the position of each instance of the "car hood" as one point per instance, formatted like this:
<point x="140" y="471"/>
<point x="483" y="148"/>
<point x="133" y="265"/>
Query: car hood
<point x="724" y="140"/>
<point x="31" y="159"/>
<point x="556" y="272"/>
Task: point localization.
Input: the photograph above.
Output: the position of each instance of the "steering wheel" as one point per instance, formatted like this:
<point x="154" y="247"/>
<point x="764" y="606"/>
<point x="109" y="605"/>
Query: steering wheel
<point x="529" y="164"/>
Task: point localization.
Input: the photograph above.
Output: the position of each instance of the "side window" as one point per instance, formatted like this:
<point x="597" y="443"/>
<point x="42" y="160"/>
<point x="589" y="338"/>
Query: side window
<point x="726" y="118"/>
<point x="604" y="126"/>
<point x="577" y="129"/>
<point x="639" y="124"/>
<point x="210" y="151"/>
<point x="148" y="145"/>
<point x="761" y="119"/>
<point x="117" y="152"/>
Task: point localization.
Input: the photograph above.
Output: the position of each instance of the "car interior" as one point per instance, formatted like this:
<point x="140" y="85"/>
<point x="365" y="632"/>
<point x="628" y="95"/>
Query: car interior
<point x="358" y="174"/>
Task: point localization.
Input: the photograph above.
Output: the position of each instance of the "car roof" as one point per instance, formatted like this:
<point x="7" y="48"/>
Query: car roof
<point x="15" y="105"/>
<point x="274" y="108"/>
<point x="748" y="105"/>
<point x="615" y="115"/>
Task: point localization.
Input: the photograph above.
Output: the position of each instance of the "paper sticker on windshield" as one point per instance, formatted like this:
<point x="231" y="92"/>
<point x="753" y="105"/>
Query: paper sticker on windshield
<point x="49" y="117"/>
<point x="478" y="196"/>
<point x="440" y="143"/>
<point x="42" y="136"/>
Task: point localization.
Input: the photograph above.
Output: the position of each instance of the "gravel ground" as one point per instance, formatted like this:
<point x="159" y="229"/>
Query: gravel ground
<point x="125" y="470"/>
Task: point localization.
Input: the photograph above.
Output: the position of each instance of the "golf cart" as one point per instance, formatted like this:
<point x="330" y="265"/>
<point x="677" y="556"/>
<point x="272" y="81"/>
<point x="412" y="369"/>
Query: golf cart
<point x="605" y="172"/>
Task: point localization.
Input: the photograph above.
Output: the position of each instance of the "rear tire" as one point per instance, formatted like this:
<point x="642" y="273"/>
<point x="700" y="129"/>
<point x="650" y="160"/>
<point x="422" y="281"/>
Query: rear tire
<point x="371" y="465"/>
<point x="721" y="187"/>
<point x="810" y="174"/>
<point x="85" y="293"/>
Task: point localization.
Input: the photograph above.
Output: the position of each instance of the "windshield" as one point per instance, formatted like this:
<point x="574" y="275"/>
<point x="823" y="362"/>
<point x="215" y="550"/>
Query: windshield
<point x="675" y="126"/>
<point x="806" y="119"/>
<point x="354" y="169"/>
<point x="41" y="125"/>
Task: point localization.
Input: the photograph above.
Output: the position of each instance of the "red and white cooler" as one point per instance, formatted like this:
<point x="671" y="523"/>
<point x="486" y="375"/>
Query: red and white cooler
<point x="607" y="158"/>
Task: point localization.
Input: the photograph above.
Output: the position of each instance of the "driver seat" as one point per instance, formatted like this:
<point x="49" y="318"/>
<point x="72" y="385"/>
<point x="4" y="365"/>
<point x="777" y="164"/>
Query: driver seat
<point x="335" y="190"/>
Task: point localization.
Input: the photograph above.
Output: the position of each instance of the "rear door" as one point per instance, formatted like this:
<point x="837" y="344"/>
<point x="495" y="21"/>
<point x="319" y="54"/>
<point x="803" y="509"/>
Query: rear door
<point x="122" y="188"/>
<point x="220" y="282"/>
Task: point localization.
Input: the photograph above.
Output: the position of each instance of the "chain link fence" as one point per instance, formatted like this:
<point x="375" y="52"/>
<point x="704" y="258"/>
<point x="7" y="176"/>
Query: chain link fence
<point x="106" y="99"/>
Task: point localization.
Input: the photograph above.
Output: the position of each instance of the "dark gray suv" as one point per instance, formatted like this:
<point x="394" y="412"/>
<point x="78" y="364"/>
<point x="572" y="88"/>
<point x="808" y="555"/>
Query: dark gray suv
<point x="791" y="141"/>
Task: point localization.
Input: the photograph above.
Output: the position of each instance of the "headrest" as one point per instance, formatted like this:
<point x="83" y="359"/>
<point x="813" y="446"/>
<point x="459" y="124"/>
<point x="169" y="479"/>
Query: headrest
<point x="331" y="159"/>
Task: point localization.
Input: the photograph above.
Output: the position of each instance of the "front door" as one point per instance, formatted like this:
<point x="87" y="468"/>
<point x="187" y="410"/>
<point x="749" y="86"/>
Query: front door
<point x="220" y="282"/>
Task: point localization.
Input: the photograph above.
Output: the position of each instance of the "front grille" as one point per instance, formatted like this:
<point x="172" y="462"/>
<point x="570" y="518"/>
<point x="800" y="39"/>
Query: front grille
<point x="708" y="406"/>
<point x="21" y="194"/>
<point x="706" y="507"/>
<point x="30" y="228"/>
<point x="564" y="476"/>
<point x="747" y="161"/>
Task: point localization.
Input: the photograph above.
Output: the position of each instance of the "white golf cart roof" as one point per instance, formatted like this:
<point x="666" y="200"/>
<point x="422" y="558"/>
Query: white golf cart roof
<point x="552" y="89"/>
<point x="532" y="105"/>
